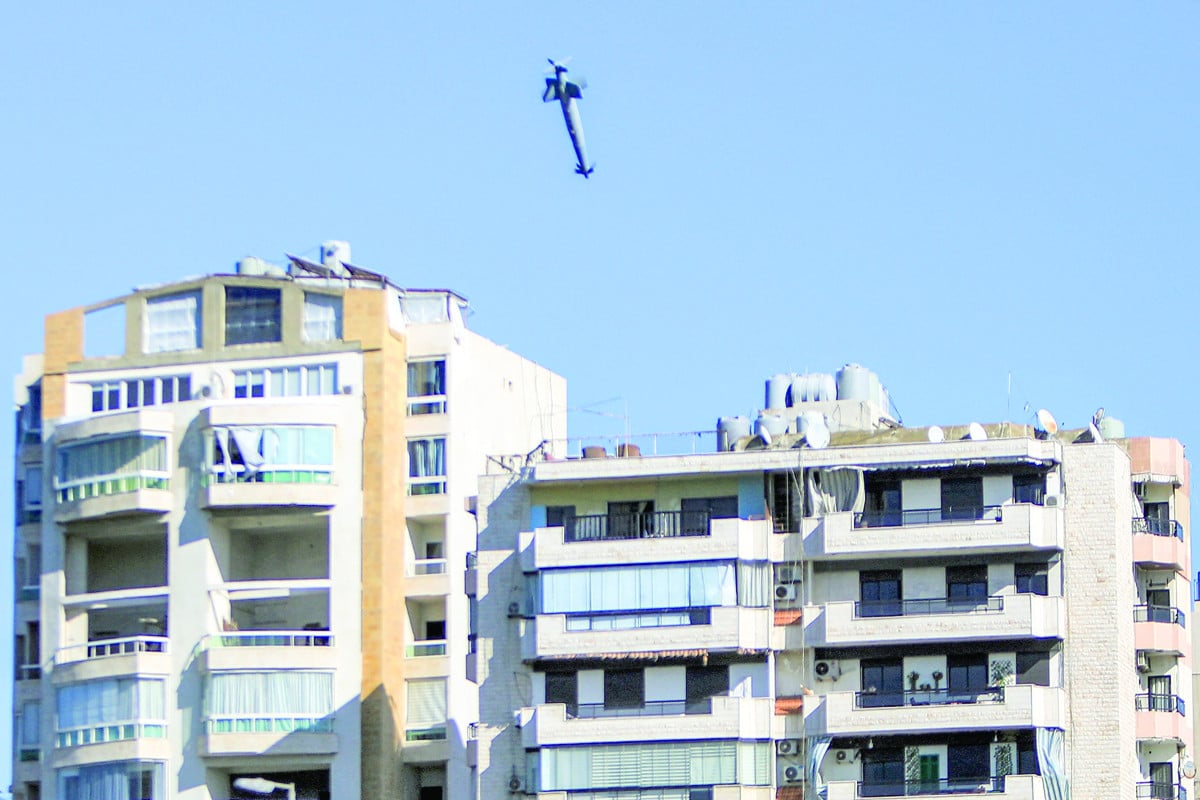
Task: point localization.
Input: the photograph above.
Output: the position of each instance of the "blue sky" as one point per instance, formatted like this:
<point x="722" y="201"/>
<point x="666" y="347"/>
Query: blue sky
<point x="946" y="192"/>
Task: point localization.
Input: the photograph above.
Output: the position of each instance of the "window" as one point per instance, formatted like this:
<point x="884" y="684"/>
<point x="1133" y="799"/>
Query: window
<point x="110" y="710"/>
<point x="784" y="493"/>
<point x="172" y="323"/>
<point x="652" y="765"/>
<point x="962" y="498"/>
<point x="881" y="592"/>
<point x="562" y="687"/>
<point x="32" y="489"/>
<point x="1033" y="579"/>
<point x="280" y="701"/>
<point x="426" y="466"/>
<point x="696" y="512"/>
<point x="883" y="772"/>
<point x="111" y="466"/>
<point x="624" y="688"/>
<point x="322" y="317"/>
<point x="1033" y="668"/>
<point x="652" y="587"/>
<point x="272" y="454"/>
<point x="705" y="683"/>
<point x="1029" y="489"/>
<point x="560" y="516"/>
<point x="882" y="682"/>
<point x="292" y="381"/>
<point x="883" y="507"/>
<point x="252" y="315"/>
<point x="968" y="765"/>
<point x="32" y="577"/>
<point x="967" y="676"/>
<point x="31" y="725"/>
<point x="967" y="585"/>
<point x="427" y="387"/>
<point x="137" y="392"/>
<point x="426" y="709"/>
<point x="631" y="519"/>
<point x="114" y="780"/>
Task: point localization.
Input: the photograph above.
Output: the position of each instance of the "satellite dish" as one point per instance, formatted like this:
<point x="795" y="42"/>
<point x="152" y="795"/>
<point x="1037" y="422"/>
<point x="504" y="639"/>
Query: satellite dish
<point x="1047" y="421"/>
<point x="976" y="432"/>
<point x="1095" y="432"/>
<point x="765" y="435"/>
<point x="817" y="435"/>
<point x="936" y="434"/>
<point x="1099" y="415"/>
<point x="1188" y="769"/>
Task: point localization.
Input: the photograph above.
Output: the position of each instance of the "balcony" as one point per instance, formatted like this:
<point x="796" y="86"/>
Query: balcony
<point x="714" y="718"/>
<point x="725" y="539"/>
<point x="260" y="734"/>
<point x="102" y="658"/>
<point x="258" y="650"/>
<point x="1009" y="787"/>
<point x="1159" y="543"/>
<point x="1151" y="790"/>
<point x="1162" y="716"/>
<point x="850" y="623"/>
<point x="270" y="465"/>
<point x="722" y="628"/>
<point x="976" y="531"/>
<point x="944" y="710"/>
<point x="427" y="577"/>
<point x="1161" y="629"/>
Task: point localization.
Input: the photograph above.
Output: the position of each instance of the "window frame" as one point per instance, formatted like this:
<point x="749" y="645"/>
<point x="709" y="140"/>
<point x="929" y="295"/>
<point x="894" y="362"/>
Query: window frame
<point x="253" y="315"/>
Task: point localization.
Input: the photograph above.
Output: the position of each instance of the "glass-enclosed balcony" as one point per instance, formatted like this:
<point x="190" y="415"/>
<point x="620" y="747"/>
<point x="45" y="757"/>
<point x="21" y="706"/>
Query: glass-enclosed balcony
<point x="108" y="475"/>
<point x="747" y="718"/>
<point x="270" y="465"/>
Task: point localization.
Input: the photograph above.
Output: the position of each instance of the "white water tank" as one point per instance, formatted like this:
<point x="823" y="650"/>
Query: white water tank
<point x="730" y="430"/>
<point x="854" y="383"/>
<point x="777" y="387"/>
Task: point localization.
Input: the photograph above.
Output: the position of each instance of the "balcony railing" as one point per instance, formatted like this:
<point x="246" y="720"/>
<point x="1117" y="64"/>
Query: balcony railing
<point x="431" y="647"/>
<point x="1167" y="614"/>
<point x="429" y="566"/>
<point x="982" y="785"/>
<point x="1153" y="790"/>
<point x="271" y="639"/>
<point x="1158" y="527"/>
<point x="928" y="697"/>
<point x="936" y="605"/>
<point x="656" y="708"/>
<point x="638" y="618"/>
<point x="110" y="732"/>
<point x="645" y="525"/>
<point x="1161" y="702"/>
<point x="660" y="793"/>
<point x="267" y="723"/>
<point x="433" y="734"/>
<point x="126" y="645"/>
<point x="927" y="516"/>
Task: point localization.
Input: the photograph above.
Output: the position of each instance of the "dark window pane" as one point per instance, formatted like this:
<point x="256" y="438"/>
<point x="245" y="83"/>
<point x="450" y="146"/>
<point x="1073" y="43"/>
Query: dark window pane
<point x="1033" y="579"/>
<point x="1029" y="489"/>
<point x="624" y="688"/>
<point x="881" y="593"/>
<point x="562" y="687"/>
<point x="705" y="682"/>
<point x="966" y="584"/>
<point x="1033" y="668"/>
<point x="252" y="315"/>
<point x="559" y="516"/>
<point x="962" y="498"/>
<point x="968" y="762"/>
<point x="967" y="674"/>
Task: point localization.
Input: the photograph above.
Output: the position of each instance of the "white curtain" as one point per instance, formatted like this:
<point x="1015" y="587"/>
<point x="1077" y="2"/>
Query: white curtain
<point x="322" y="317"/>
<point x="426" y="458"/>
<point x="834" y="490"/>
<point x="659" y="586"/>
<point x="755" y="584"/>
<point x="172" y="323"/>
<point x="285" y="693"/>
<point x="1054" y="769"/>
<point x="104" y="702"/>
<point x="111" y="781"/>
<point x="424" y="307"/>
<point x="696" y="763"/>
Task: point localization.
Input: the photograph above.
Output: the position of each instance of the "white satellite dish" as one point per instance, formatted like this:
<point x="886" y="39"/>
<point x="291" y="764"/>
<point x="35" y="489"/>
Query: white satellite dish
<point x="1047" y="421"/>
<point x="936" y="434"/>
<point x="765" y="435"/>
<point x="1099" y="415"/>
<point x="976" y="432"/>
<point x="1095" y="432"/>
<point x="817" y="435"/>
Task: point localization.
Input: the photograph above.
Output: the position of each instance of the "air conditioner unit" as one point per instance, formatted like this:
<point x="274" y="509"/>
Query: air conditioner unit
<point x="787" y="747"/>
<point x="1054" y="501"/>
<point x="785" y="591"/>
<point x="515" y="784"/>
<point x="788" y="574"/>
<point x="827" y="670"/>
<point x="1143" y="661"/>
<point x="793" y="775"/>
<point x="841" y="756"/>
<point x="1141" y="489"/>
<point x="514" y="610"/>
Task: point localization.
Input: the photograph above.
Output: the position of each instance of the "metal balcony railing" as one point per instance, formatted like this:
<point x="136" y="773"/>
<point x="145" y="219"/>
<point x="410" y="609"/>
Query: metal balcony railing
<point x="927" y="516"/>
<point x="426" y="647"/>
<point x="1153" y="790"/>
<point x="271" y="639"/>
<point x="1160" y="702"/>
<point x="928" y="697"/>
<point x="1158" y="527"/>
<point x="654" y="708"/>
<point x="935" y="605"/>
<point x="644" y="525"/>
<point x="1166" y="614"/>
<point x="638" y="618"/>
<point x="982" y="785"/>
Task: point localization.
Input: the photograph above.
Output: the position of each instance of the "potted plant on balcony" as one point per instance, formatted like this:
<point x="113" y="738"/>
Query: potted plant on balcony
<point x="937" y="679"/>
<point x="913" y="677"/>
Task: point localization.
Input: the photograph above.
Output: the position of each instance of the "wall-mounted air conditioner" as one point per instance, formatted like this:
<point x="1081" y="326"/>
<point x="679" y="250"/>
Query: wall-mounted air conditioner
<point x="827" y="670"/>
<point x="1143" y="661"/>
<point x="785" y="591"/>
<point x="787" y="747"/>
<point x="514" y="610"/>
<point x="793" y="774"/>
<point x="1054" y="501"/>
<point x="787" y="574"/>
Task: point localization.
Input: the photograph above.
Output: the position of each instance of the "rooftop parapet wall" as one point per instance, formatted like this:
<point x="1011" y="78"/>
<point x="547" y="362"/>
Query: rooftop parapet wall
<point x="1159" y="459"/>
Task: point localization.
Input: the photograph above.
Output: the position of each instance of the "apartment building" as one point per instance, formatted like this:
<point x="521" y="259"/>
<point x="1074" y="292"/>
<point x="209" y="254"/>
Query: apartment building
<point x="833" y="605"/>
<point x="244" y="510"/>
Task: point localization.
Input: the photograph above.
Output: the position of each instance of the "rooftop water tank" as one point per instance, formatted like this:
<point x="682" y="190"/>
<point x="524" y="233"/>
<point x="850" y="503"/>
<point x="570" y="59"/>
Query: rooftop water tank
<point x="854" y="383"/>
<point x="813" y="387"/>
<point x="730" y="430"/>
<point x="773" y="424"/>
<point x="777" y="386"/>
<point x="1112" y="428"/>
